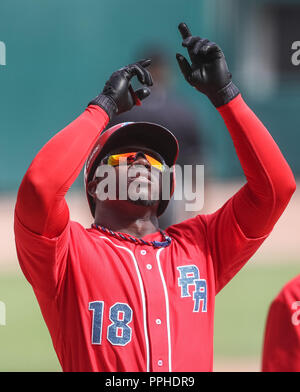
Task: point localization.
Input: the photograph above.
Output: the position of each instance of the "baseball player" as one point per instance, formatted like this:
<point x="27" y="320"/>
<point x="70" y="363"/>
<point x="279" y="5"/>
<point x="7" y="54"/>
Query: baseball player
<point x="123" y="295"/>
<point x="281" y="348"/>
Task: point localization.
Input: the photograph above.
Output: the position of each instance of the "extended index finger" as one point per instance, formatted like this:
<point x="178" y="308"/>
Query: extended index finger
<point x="184" y="30"/>
<point x="145" y="62"/>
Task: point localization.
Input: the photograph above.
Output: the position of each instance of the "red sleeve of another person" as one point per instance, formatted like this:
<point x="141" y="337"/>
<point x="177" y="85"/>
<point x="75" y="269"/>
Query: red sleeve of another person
<point x="281" y="348"/>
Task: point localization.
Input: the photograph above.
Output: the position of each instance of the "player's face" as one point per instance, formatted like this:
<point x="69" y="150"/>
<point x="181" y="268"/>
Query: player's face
<point x="137" y="175"/>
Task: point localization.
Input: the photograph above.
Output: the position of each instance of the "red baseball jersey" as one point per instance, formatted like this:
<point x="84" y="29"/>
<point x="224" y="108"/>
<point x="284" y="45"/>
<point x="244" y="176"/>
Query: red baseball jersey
<point x="281" y="349"/>
<point x="112" y="305"/>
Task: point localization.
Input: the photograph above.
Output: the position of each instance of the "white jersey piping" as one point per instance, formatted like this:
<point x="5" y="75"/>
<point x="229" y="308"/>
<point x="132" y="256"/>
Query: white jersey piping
<point x="143" y="299"/>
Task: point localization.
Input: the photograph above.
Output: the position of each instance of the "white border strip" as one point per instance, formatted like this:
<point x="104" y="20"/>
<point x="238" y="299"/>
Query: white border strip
<point x="2" y="53"/>
<point x="2" y="313"/>
<point x="167" y="308"/>
<point x="142" y="295"/>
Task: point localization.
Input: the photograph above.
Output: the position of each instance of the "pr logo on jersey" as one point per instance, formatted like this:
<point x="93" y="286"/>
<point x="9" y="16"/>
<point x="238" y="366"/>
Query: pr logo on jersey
<point x="189" y="281"/>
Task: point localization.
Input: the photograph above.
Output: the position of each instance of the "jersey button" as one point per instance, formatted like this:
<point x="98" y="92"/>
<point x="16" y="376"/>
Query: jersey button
<point x="143" y="252"/>
<point x="160" y="362"/>
<point x="149" y="266"/>
<point x="158" y="321"/>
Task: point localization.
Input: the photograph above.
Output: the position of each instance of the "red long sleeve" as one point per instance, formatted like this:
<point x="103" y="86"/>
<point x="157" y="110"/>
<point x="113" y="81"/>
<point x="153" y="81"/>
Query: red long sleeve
<point x="281" y="346"/>
<point x="41" y="205"/>
<point x="270" y="182"/>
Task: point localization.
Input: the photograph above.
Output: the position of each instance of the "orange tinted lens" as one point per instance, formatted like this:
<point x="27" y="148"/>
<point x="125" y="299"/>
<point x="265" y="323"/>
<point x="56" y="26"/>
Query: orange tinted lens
<point x="115" y="160"/>
<point x="154" y="162"/>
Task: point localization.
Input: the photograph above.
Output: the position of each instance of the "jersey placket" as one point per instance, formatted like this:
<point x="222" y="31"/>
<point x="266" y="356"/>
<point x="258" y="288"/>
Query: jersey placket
<point x="155" y="308"/>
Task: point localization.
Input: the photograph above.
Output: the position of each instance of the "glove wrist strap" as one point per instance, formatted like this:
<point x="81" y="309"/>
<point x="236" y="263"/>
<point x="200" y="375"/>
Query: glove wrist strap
<point x="106" y="103"/>
<point x="225" y="95"/>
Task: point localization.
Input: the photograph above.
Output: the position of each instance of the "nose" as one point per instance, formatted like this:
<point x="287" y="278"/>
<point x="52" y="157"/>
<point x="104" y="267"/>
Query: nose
<point x="140" y="159"/>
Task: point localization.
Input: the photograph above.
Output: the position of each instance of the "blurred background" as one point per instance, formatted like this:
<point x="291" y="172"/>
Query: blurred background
<point x="56" y="55"/>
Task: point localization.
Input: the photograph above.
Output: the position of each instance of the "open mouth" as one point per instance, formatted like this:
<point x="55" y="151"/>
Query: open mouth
<point x="139" y="173"/>
<point x="140" y="180"/>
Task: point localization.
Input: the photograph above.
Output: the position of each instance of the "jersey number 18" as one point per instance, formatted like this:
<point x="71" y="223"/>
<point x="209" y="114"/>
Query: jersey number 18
<point x="118" y="332"/>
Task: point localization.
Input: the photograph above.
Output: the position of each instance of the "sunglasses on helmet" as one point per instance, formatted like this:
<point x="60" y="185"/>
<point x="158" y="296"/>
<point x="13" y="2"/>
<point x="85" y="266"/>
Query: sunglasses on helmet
<point x="128" y="157"/>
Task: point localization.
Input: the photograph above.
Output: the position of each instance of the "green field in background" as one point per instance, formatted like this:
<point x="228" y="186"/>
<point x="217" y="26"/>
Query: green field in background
<point x="241" y="309"/>
<point x="25" y="343"/>
<point x="242" y="306"/>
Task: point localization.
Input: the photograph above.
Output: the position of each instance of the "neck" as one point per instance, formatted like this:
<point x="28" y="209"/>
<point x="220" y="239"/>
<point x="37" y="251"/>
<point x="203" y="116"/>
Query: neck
<point x="126" y="217"/>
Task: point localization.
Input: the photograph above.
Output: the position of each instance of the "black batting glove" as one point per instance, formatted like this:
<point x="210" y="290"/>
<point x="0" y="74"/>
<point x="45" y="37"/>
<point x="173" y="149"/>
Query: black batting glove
<point x="118" y="95"/>
<point x="208" y="72"/>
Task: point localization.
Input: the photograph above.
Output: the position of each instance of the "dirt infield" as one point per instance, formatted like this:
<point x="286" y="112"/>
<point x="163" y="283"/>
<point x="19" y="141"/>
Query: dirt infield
<point x="282" y="245"/>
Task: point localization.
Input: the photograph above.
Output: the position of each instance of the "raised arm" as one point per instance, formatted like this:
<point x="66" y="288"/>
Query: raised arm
<point x="270" y="182"/>
<point x="41" y="206"/>
<point x="237" y="229"/>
